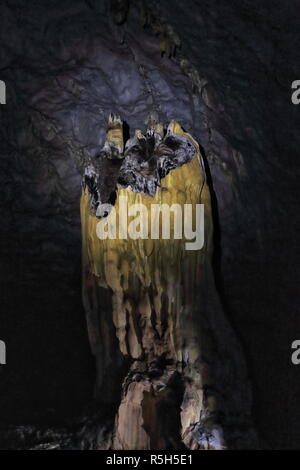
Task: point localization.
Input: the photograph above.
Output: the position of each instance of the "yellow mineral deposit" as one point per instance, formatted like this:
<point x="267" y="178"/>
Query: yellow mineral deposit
<point x="114" y="134"/>
<point x="155" y="288"/>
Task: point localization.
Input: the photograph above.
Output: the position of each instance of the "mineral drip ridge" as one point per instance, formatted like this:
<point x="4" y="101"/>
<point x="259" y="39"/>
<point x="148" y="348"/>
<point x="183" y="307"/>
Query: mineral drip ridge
<point x="141" y="164"/>
<point x="229" y="86"/>
<point x="167" y="362"/>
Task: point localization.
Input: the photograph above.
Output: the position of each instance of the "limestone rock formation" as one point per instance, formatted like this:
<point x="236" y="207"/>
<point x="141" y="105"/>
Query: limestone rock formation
<point x="185" y="382"/>
<point x="224" y="70"/>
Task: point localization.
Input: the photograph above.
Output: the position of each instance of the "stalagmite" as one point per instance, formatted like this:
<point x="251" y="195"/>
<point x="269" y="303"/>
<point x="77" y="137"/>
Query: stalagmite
<point x="154" y="319"/>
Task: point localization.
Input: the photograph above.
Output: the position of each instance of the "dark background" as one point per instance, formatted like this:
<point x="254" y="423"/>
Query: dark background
<point x="66" y="66"/>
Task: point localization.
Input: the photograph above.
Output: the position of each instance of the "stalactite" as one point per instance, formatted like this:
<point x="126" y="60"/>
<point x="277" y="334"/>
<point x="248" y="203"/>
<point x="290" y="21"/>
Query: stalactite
<point x="154" y="302"/>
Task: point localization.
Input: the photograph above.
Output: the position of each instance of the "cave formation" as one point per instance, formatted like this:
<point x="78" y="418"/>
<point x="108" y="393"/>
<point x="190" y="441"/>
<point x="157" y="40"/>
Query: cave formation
<point x="185" y="381"/>
<point x="217" y="68"/>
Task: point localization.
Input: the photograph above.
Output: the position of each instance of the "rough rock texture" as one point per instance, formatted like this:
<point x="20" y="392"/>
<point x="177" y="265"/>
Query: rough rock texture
<point x="66" y="65"/>
<point x="152" y="303"/>
<point x="249" y="53"/>
<point x="141" y="162"/>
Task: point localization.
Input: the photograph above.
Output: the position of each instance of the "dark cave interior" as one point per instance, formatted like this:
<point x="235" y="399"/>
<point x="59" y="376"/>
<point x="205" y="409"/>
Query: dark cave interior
<point x="66" y="66"/>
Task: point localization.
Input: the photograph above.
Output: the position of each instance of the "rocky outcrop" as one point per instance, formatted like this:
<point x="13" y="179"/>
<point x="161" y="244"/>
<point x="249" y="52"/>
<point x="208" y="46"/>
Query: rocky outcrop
<point x="224" y="70"/>
<point x="156" y="303"/>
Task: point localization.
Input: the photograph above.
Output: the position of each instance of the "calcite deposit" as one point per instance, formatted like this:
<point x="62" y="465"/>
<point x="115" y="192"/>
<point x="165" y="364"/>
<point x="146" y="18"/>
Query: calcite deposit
<point x="157" y="302"/>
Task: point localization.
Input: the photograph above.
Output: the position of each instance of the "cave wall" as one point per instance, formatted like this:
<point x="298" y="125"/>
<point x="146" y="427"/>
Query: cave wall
<point x="249" y="54"/>
<point x="66" y="67"/>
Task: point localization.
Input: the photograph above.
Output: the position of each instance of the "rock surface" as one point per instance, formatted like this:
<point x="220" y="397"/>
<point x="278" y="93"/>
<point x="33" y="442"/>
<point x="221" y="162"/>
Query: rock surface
<point x="66" y="65"/>
<point x="153" y="303"/>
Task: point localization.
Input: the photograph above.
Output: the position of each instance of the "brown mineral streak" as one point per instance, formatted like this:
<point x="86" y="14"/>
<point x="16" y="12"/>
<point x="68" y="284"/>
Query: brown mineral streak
<point x="155" y="288"/>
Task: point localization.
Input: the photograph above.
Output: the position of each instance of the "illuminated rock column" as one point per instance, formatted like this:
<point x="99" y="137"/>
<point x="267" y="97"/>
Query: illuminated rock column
<point x="152" y="304"/>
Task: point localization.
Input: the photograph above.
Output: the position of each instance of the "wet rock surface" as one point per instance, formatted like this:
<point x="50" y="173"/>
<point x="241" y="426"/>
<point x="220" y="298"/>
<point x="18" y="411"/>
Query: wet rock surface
<point x="66" y="66"/>
<point x="186" y="383"/>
